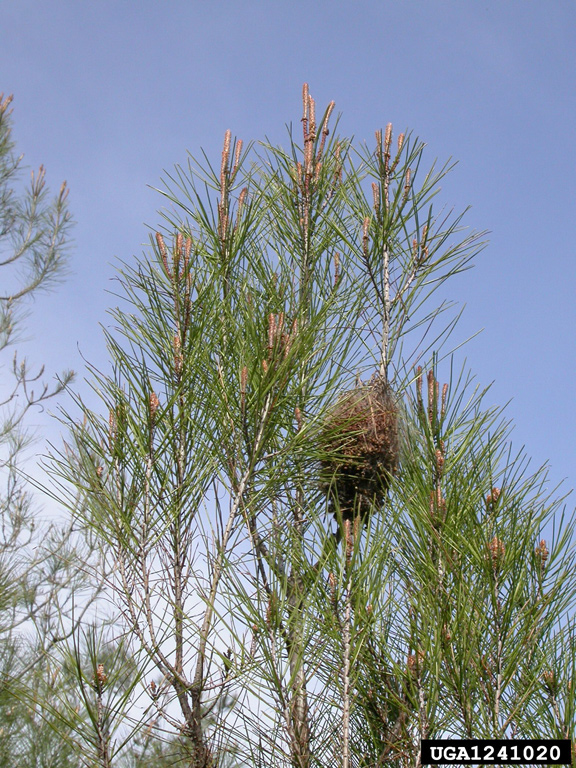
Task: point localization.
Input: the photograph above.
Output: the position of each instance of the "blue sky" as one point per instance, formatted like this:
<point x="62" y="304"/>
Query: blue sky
<point x="109" y="93"/>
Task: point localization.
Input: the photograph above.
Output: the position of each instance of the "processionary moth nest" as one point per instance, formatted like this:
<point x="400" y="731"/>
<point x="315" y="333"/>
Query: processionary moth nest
<point x="360" y="442"/>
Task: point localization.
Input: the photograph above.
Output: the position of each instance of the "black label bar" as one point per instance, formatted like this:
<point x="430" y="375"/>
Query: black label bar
<point x="496" y="751"/>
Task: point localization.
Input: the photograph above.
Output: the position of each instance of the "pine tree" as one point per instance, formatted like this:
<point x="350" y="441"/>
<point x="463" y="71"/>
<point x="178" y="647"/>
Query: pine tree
<point x="320" y="553"/>
<point x="38" y="567"/>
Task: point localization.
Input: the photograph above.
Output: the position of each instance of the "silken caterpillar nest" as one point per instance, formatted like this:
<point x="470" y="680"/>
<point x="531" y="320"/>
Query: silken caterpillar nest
<point x="360" y="446"/>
